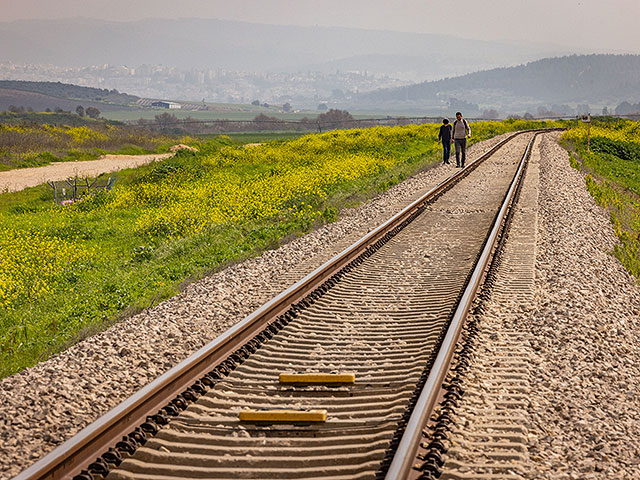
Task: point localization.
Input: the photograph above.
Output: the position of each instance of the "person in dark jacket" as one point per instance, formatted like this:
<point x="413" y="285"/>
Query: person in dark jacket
<point x="445" y="137"/>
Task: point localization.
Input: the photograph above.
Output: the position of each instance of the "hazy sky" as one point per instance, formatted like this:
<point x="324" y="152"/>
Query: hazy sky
<point x="596" y="25"/>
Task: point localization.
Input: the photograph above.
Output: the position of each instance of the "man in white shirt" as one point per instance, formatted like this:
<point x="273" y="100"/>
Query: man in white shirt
<point x="461" y="131"/>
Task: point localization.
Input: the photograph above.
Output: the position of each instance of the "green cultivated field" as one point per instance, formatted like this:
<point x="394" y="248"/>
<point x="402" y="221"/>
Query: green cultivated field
<point x="149" y="114"/>
<point x="223" y="112"/>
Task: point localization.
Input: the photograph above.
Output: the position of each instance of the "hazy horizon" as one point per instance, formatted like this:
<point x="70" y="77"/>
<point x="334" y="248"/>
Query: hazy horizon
<point x="310" y="52"/>
<point x="584" y="25"/>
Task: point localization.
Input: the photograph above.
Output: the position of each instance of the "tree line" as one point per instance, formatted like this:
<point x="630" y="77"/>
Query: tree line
<point x="169" y="123"/>
<point x="91" y="112"/>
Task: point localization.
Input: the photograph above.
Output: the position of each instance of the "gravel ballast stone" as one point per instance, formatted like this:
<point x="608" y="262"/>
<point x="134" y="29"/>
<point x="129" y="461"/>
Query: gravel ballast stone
<point x="585" y="384"/>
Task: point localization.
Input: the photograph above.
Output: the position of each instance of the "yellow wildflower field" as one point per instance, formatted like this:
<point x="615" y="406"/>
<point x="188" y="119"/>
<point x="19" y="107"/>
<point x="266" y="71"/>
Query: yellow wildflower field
<point x="622" y="131"/>
<point x="30" y="264"/>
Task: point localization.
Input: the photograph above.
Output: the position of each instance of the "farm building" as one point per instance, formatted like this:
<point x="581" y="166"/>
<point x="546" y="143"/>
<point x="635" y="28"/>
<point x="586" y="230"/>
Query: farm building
<point x="163" y="104"/>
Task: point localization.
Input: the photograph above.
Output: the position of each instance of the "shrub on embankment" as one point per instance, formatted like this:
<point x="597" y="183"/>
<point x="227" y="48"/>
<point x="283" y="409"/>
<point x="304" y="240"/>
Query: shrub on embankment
<point x="66" y="270"/>
<point x="33" y="144"/>
<point x="613" y="178"/>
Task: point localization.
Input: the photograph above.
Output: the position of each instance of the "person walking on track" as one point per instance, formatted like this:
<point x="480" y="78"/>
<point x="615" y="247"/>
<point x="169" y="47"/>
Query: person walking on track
<point x="445" y="137"/>
<point x="461" y="131"/>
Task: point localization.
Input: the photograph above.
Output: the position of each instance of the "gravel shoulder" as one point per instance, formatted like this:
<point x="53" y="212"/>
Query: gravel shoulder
<point x="585" y="384"/>
<point x="21" y="178"/>
<point x="559" y="359"/>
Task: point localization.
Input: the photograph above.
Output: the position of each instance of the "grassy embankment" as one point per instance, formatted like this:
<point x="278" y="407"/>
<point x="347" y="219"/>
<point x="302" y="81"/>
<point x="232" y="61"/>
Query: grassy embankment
<point x="613" y="178"/>
<point x="67" y="271"/>
<point x="243" y="138"/>
<point x="27" y="141"/>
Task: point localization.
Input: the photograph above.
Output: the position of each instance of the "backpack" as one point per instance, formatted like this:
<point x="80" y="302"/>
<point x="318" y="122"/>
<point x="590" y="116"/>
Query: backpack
<point x="466" y="125"/>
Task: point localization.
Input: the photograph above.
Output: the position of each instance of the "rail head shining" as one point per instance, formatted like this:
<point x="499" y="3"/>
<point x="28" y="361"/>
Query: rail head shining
<point x="403" y="460"/>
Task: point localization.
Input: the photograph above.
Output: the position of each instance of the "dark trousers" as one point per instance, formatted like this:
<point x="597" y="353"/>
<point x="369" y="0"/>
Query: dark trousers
<point x="446" y="151"/>
<point x="461" y="147"/>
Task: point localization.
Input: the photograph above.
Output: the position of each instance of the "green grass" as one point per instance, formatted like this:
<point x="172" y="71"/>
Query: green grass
<point x="242" y="138"/>
<point x="612" y="170"/>
<point x="131" y="275"/>
<point x="41" y="118"/>
<point x="624" y="211"/>
<point x="32" y="144"/>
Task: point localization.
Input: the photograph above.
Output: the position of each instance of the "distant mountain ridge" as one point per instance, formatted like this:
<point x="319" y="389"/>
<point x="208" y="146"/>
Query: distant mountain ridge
<point x="40" y="96"/>
<point x="69" y="91"/>
<point x="594" y="79"/>
<point x="551" y="83"/>
<point x="222" y="44"/>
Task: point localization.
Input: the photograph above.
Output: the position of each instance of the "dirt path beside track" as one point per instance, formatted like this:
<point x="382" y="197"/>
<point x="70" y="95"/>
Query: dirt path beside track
<point x="19" y="179"/>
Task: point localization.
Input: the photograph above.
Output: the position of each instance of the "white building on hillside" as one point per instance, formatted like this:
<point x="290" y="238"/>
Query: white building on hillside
<point x="163" y="104"/>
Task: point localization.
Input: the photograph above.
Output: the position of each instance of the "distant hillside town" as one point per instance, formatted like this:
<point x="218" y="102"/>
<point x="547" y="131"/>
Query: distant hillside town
<point x="304" y="89"/>
<point x="550" y="87"/>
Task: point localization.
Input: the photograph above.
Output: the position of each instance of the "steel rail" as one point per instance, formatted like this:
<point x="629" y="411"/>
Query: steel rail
<point x="404" y="457"/>
<point x="76" y="453"/>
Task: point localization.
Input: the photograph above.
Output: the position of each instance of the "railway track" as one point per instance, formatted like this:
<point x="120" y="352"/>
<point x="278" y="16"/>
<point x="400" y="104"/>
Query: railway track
<point x="375" y="328"/>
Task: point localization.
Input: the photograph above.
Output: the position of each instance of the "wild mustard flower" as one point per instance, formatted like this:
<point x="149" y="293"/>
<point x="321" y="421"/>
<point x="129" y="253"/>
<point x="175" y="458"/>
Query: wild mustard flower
<point x="31" y="263"/>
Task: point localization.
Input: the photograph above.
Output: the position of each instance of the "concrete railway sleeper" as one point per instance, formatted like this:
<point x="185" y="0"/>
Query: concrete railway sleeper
<point x="379" y="311"/>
